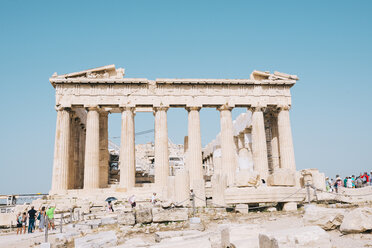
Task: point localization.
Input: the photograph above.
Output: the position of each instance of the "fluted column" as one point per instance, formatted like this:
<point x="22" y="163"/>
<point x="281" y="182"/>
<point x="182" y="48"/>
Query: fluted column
<point x="243" y="152"/>
<point x="259" y="147"/>
<point x="194" y="146"/>
<point x="75" y="139"/>
<point x="127" y="149"/>
<point x="161" y="147"/>
<point x="82" y="140"/>
<point x="228" y="151"/>
<point x="287" y="158"/>
<point x="61" y="152"/>
<point x="103" y="149"/>
<point x="274" y="142"/>
<point x="91" y="167"/>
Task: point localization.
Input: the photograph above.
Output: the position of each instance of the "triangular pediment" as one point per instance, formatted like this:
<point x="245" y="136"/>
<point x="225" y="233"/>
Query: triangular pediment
<point x="108" y="71"/>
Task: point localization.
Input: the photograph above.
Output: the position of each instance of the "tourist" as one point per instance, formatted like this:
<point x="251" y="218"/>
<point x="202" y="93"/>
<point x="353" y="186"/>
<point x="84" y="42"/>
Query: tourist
<point x="132" y="201"/>
<point x="353" y="180"/>
<point x="153" y="198"/>
<point x="338" y="183"/>
<point x="349" y="183"/>
<point x="370" y="180"/>
<point x="24" y="222"/>
<point x="110" y="207"/>
<point x="50" y="214"/>
<point x="328" y="185"/>
<point x="41" y="218"/>
<point x="19" y="223"/>
<point x="358" y="182"/>
<point x="31" y="219"/>
<point x="365" y="178"/>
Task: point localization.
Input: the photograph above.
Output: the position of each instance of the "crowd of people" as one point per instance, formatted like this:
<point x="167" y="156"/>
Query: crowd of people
<point x="363" y="180"/>
<point x="30" y="218"/>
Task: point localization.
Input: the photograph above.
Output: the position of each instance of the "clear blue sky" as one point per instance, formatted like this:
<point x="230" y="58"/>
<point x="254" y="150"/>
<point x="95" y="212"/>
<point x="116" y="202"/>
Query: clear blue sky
<point x="326" y="43"/>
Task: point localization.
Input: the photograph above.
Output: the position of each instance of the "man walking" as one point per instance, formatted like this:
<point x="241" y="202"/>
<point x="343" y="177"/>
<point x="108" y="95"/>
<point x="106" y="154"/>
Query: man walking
<point x="31" y="219"/>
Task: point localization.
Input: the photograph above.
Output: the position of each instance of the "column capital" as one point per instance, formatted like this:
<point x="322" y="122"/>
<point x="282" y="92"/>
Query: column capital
<point x="189" y="108"/>
<point x="160" y="108"/>
<point x="225" y="107"/>
<point x="127" y="108"/>
<point x="284" y="107"/>
<point x="91" y="107"/>
<point x="257" y="108"/>
<point x="60" y="108"/>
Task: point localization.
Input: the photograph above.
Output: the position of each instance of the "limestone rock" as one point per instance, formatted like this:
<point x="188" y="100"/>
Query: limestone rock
<point x="180" y="243"/>
<point x="242" y="208"/>
<point x="126" y="218"/>
<point x="102" y="239"/>
<point x="246" y="178"/>
<point x="357" y="221"/>
<point x="290" y="206"/>
<point x="159" y="236"/>
<point x="109" y="221"/>
<point x="143" y="215"/>
<point x="326" y="218"/>
<point x="281" y="177"/>
<point x="164" y="215"/>
<point x="303" y="237"/>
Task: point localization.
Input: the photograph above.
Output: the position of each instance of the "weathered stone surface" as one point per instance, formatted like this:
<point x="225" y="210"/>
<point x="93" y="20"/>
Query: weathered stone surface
<point x="304" y="237"/>
<point x="357" y="221"/>
<point x="194" y="243"/>
<point x="159" y="236"/>
<point x="246" y="178"/>
<point x="290" y="206"/>
<point x="126" y="218"/>
<point x="326" y="218"/>
<point x="109" y="221"/>
<point x="242" y="208"/>
<point x="281" y="177"/>
<point x="174" y="214"/>
<point x="97" y="240"/>
<point x="144" y="215"/>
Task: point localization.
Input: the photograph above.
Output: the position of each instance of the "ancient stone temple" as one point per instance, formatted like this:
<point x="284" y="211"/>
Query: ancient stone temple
<point x="256" y="146"/>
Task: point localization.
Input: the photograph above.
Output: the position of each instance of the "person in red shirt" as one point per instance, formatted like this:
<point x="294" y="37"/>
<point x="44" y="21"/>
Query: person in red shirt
<point x="365" y="178"/>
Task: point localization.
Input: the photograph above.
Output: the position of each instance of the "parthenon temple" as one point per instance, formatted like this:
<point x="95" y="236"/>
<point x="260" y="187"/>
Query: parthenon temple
<point x="251" y="160"/>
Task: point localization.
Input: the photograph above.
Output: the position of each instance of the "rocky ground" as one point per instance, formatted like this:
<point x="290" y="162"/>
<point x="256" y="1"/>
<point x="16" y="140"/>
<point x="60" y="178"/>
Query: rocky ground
<point x="337" y="225"/>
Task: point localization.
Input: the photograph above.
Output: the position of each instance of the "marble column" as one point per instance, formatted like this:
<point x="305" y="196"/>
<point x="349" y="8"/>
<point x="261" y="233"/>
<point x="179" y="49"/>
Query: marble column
<point x="274" y="142"/>
<point x="91" y="166"/>
<point x="243" y="152"/>
<point x="287" y="158"/>
<point x="228" y="151"/>
<point x="161" y="147"/>
<point x="75" y="152"/>
<point x="194" y="151"/>
<point x="259" y="147"/>
<point x="61" y="152"/>
<point x="103" y="149"/>
<point x="127" y="150"/>
<point x="82" y="140"/>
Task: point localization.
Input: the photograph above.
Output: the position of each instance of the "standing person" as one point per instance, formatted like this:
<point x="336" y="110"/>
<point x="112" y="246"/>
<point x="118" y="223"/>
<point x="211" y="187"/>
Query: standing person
<point x="349" y="183"/>
<point x="31" y="219"/>
<point x="50" y="214"/>
<point x="41" y="218"/>
<point x="132" y="201"/>
<point x="109" y="207"/>
<point x="345" y="182"/>
<point x="24" y="222"/>
<point x="353" y="180"/>
<point x="338" y="183"/>
<point x="153" y="198"/>
<point x="365" y="178"/>
<point x="370" y="179"/>
<point x="19" y="223"/>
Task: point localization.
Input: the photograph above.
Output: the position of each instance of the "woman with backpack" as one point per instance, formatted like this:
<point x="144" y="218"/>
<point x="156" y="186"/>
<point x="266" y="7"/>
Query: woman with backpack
<point x="19" y="223"/>
<point x="41" y="218"/>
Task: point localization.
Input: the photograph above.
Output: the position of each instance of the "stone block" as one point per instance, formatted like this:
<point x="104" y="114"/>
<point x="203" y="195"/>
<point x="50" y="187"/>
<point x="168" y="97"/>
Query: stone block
<point x="194" y="243"/>
<point x="246" y="178"/>
<point x="159" y="236"/>
<point x="165" y="215"/>
<point x="44" y="245"/>
<point x="290" y="206"/>
<point x="326" y="218"/>
<point x="144" y="215"/>
<point x="126" y="219"/>
<point x="282" y="177"/>
<point x="302" y="237"/>
<point x="357" y="221"/>
<point x="101" y="239"/>
<point x="109" y="221"/>
<point x="242" y="208"/>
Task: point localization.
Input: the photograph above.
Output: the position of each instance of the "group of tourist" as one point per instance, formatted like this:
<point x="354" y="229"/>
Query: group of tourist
<point x="363" y="180"/>
<point x="32" y="216"/>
